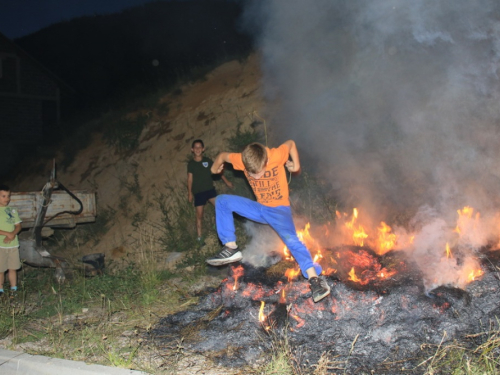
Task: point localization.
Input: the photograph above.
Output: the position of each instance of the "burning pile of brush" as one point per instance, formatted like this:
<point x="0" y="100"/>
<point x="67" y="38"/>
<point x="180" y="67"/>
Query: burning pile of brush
<point x="392" y="291"/>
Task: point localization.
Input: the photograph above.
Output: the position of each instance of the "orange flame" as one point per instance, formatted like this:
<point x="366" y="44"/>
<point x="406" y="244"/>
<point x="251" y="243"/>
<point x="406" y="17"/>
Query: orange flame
<point x="358" y="232"/>
<point x="262" y="317"/>
<point x="237" y="273"/>
<point x="466" y="222"/>
<point x="352" y="276"/>
<point x="386" y="239"/>
<point x="305" y="237"/>
<point x="292" y="273"/>
<point x="473" y="275"/>
<point x="283" y="296"/>
<point x="286" y="253"/>
<point x="448" y="251"/>
<point x="318" y="256"/>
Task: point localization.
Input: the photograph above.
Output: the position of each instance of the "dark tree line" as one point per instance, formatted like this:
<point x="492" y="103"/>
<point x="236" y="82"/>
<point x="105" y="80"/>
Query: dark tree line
<point x="142" y="48"/>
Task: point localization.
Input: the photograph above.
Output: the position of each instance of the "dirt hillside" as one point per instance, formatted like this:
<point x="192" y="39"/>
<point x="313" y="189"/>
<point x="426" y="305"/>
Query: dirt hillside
<point x="127" y="183"/>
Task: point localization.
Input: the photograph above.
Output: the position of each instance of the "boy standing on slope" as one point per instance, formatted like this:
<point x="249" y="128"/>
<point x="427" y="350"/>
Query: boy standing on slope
<point x="265" y="172"/>
<point x="200" y="184"/>
<point x="10" y="226"/>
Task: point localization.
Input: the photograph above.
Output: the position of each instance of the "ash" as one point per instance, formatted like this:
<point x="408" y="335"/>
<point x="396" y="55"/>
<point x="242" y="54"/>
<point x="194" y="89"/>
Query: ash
<point x="363" y="327"/>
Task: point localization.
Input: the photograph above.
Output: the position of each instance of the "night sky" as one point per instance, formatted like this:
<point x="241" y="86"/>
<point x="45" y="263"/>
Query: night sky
<point x="22" y="17"/>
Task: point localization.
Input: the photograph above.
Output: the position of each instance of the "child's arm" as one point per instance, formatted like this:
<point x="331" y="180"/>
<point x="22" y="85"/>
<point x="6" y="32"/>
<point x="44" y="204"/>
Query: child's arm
<point x="218" y="164"/>
<point x="9" y="236"/>
<point x="190" y="185"/>
<point x="294" y="164"/>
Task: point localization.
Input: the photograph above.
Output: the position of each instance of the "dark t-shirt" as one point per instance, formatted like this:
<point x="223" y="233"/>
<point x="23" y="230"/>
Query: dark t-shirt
<point x="202" y="176"/>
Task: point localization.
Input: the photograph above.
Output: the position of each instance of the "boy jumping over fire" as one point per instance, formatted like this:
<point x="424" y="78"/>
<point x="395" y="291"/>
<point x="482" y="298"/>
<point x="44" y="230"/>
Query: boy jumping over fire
<point x="264" y="169"/>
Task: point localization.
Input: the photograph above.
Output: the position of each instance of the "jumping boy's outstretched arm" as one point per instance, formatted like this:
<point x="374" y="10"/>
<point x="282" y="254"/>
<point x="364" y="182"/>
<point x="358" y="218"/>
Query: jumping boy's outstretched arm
<point x="294" y="164"/>
<point x="219" y="161"/>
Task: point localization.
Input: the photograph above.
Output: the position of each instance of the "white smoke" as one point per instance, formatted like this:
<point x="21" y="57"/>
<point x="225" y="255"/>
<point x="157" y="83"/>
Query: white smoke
<point x="264" y="248"/>
<point x="396" y="103"/>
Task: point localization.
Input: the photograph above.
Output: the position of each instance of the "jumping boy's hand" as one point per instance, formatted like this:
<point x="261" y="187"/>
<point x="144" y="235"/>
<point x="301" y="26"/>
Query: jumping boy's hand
<point x="291" y="166"/>
<point x="220" y="169"/>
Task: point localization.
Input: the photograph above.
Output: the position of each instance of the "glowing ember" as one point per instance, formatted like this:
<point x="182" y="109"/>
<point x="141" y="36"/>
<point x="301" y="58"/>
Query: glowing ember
<point x="237" y="273"/>
<point x="299" y="320"/>
<point x="253" y="291"/>
<point x="283" y="296"/>
<point x="385" y="274"/>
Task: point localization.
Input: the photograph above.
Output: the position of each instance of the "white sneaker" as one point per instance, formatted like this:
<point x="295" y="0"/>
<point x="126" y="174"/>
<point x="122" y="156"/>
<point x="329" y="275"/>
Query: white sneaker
<point x="226" y="256"/>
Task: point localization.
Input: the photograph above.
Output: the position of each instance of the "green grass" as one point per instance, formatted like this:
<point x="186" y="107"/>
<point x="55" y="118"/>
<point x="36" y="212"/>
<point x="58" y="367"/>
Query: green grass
<point x="476" y="354"/>
<point x="57" y="315"/>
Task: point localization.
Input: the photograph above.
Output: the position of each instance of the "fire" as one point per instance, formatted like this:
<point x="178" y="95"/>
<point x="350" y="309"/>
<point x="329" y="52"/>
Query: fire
<point x="237" y="273"/>
<point x="386" y="239"/>
<point x="283" y="296"/>
<point x="305" y="237"/>
<point x="464" y="221"/>
<point x="318" y="256"/>
<point x="329" y="271"/>
<point x="292" y="273"/>
<point x="448" y="251"/>
<point x="365" y="266"/>
<point x="358" y="234"/>
<point x="473" y="275"/>
<point x="286" y="253"/>
<point x="353" y="277"/>
<point x="255" y="292"/>
<point x="299" y="320"/>
<point x="368" y="267"/>
<point x="262" y="317"/>
<point x="385" y="274"/>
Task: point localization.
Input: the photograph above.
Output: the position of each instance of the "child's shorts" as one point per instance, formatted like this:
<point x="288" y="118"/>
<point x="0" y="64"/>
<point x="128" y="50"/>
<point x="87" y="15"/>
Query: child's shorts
<point x="201" y="199"/>
<point x="9" y="259"/>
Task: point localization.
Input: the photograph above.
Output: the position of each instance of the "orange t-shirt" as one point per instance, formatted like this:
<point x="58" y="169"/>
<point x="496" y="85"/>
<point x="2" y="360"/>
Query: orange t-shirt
<point x="272" y="188"/>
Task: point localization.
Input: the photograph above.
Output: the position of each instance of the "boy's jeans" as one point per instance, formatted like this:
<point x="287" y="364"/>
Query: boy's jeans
<point x="279" y="218"/>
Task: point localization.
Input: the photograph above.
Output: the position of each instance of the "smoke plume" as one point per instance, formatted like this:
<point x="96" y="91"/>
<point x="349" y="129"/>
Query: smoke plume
<point x="395" y="103"/>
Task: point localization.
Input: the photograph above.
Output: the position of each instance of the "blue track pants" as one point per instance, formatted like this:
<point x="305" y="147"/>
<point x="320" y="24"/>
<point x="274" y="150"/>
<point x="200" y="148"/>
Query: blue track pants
<point x="279" y="218"/>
